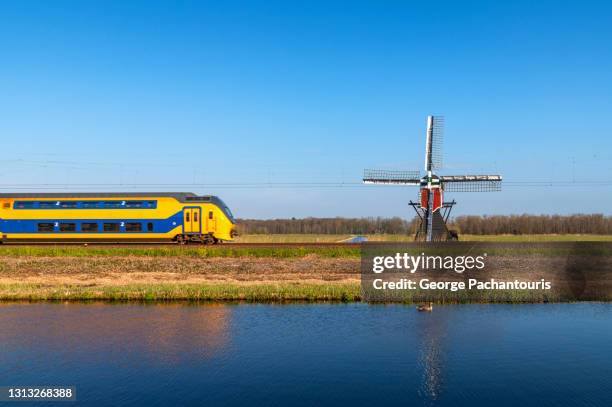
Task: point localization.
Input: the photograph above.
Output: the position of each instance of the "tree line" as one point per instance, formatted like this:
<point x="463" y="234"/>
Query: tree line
<point x="597" y="224"/>
<point x="473" y="225"/>
<point x="331" y="226"/>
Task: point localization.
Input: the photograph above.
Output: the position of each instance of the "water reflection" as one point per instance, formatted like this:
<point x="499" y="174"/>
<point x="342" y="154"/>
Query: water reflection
<point x="312" y="354"/>
<point x="432" y="332"/>
<point x="160" y="331"/>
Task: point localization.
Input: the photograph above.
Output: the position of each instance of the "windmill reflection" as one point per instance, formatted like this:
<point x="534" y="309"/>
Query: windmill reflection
<point x="431" y="354"/>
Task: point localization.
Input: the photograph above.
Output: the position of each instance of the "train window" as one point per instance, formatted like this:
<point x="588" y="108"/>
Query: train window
<point x="195" y="216"/>
<point x="81" y="204"/>
<point x="229" y="213"/>
<point x="6" y="205"/>
<point x="210" y="215"/>
<point x="140" y="204"/>
<point x="197" y="198"/>
<point x="187" y="218"/>
<point x="67" y="227"/>
<point x="112" y="204"/>
<point x="45" y="227"/>
<point x="133" y="227"/>
<point x="89" y="227"/>
<point x="150" y="227"/>
<point x="134" y="204"/>
<point x="49" y="204"/>
<point x="23" y="205"/>
<point x="111" y="227"/>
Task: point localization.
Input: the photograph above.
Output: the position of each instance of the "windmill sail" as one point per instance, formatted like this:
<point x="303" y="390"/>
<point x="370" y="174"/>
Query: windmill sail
<point x="434" y="143"/>
<point x="391" y="177"/>
<point x="471" y="183"/>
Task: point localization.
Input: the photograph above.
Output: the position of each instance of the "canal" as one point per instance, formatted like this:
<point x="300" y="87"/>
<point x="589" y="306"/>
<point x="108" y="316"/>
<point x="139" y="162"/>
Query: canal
<point x="312" y="354"/>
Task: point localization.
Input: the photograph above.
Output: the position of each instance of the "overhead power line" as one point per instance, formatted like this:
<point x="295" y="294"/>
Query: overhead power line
<point x="280" y="185"/>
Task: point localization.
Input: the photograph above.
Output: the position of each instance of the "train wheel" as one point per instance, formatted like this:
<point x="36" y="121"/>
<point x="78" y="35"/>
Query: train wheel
<point x="208" y="239"/>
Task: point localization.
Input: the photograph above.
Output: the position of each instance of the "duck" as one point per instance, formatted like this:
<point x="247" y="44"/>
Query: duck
<point x="425" y="307"/>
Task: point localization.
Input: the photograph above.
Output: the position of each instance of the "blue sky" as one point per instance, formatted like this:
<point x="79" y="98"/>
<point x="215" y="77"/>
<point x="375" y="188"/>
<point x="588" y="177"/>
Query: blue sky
<point x="186" y="95"/>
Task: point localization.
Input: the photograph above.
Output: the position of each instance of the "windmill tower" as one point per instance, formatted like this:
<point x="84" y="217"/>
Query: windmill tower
<point x="431" y="208"/>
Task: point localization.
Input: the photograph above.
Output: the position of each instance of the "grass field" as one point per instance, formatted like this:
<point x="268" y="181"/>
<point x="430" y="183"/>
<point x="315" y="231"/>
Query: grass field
<point x="291" y="238"/>
<point x="307" y="238"/>
<point x="223" y="291"/>
<point x="236" y="251"/>
<point x="117" y="276"/>
<point x="190" y="251"/>
<point x="265" y="292"/>
<point x="229" y="272"/>
<point x="536" y="238"/>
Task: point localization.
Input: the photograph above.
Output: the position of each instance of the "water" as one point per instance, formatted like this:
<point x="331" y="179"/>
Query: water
<point x="305" y="354"/>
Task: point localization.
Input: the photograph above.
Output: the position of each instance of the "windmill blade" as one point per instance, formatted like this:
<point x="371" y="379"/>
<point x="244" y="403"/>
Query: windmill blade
<point x="472" y="186"/>
<point x="434" y="143"/>
<point x="471" y="183"/>
<point x="391" y="177"/>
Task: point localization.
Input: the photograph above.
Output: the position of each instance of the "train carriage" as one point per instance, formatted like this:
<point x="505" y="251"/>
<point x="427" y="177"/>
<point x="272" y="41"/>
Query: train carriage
<point x="115" y="217"/>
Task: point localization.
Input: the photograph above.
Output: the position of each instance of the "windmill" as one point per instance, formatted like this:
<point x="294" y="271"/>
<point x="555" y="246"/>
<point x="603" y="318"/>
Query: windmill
<point x="431" y="208"/>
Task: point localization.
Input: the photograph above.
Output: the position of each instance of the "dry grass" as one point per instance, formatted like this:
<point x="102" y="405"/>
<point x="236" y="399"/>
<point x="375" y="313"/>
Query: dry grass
<point x="291" y="238"/>
<point x="137" y="268"/>
<point x="180" y="278"/>
<point x="200" y="273"/>
<point x="536" y="238"/>
<point x="309" y="238"/>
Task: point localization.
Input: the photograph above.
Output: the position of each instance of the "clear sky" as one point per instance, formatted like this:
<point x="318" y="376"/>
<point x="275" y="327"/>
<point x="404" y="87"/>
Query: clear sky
<point x="197" y="96"/>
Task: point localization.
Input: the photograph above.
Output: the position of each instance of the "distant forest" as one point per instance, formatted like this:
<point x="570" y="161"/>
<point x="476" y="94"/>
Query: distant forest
<point x="472" y="225"/>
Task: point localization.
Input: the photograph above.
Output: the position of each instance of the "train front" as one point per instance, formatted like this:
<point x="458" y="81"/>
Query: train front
<point x="228" y="230"/>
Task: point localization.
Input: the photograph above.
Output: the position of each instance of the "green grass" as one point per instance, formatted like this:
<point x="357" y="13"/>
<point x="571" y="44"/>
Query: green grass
<point x="536" y="238"/>
<point x="491" y="296"/>
<point x="501" y="249"/>
<point x="178" y="251"/>
<point x="279" y="292"/>
<point x="191" y="292"/>
<point x="229" y="250"/>
<point x="314" y="238"/>
<point x="291" y="238"/>
<point x="502" y="238"/>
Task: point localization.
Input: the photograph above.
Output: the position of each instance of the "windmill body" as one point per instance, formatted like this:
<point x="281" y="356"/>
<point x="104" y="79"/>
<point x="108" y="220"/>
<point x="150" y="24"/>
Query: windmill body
<point x="431" y="208"/>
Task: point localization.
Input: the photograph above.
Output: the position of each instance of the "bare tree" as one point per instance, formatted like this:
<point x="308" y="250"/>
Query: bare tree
<point x="476" y="225"/>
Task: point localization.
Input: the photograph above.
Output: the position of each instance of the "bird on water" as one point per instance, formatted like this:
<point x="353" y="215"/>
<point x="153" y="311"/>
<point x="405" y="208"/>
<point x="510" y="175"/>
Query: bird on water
<point x="425" y="307"/>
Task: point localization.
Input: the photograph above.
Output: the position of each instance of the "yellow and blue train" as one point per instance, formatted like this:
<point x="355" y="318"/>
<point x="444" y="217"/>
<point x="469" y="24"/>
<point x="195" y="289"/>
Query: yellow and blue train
<point x="115" y="217"/>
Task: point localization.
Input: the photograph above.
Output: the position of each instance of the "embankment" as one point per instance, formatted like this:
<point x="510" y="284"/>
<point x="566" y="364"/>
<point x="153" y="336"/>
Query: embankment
<point x="225" y="273"/>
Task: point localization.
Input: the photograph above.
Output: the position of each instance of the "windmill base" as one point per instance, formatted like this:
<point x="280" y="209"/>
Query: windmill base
<point x="440" y="231"/>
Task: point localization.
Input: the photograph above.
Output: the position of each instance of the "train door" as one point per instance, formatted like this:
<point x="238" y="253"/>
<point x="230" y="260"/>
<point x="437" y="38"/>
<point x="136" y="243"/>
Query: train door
<point x="196" y="220"/>
<point x="211" y="222"/>
<point x="192" y="220"/>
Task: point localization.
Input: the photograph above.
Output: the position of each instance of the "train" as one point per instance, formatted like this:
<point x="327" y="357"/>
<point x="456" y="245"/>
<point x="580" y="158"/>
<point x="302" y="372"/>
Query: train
<point x="181" y="217"/>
